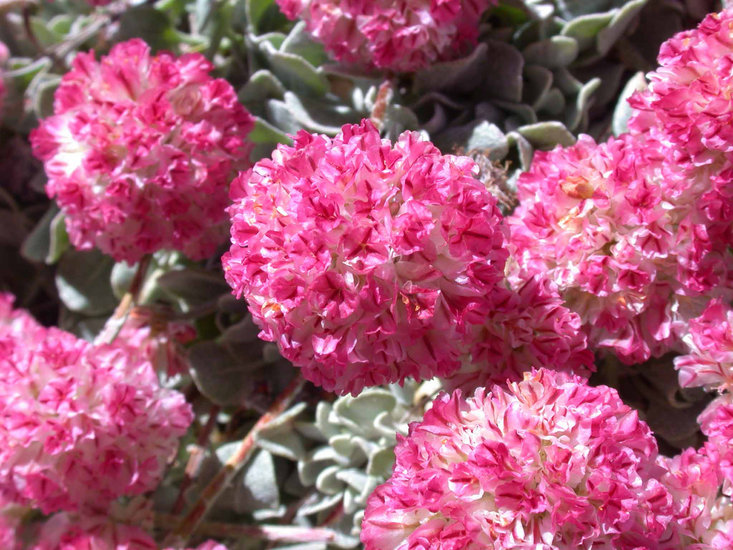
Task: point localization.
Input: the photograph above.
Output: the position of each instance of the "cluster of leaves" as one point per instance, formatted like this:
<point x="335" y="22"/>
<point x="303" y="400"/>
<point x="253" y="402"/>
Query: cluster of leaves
<point x="543" y="71"/>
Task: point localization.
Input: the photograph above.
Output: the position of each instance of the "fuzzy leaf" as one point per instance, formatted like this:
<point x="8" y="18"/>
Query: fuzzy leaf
<point x="544" y="135"/>
<point x="553" y="53"/>
<point x="623" y="111"/>
<point x="82" y="280"/>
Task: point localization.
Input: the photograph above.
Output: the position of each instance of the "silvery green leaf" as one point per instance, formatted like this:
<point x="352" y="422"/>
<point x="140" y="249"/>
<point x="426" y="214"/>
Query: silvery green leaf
<point x="524" y="112"/>
<point x="295" y="72"/>
<point x="261" y="85"/>
<point x="577" y="115"/>
<point x="121" y="278"/>
<point x="398" y="119"/>
<point x="269" y="42"/>
<point x="42" y="32"/>
<point x="23" y="71"/>
<point x="308" y="470"/>
<point x="301" y="44"/>
<point x="258" y="487"/>
<point x="48" y="240"/>
<point x="538" y="81"/>
<point x="585" y="28"/>
<point x="194" y="286"/>
<point x="553" y="53"/>
<point x="552" y="104"/>
<point x="82" y="280"/>
<point x="285" y="443"/>
<point x="41" y="92"/>
<point x="503" y="77"/>
<point x="328" y="482"/>
<point x="353" y="477"/>
<point x="148" y="23"/>
<point x="381" y="462"/>
<point x="458" y="75"/>
<point x="489" y="138"/>
<point x="570" y="9"/>
<point x="344" y="445"/>
<point x="285" y="419"/>
<point x="223" y="379"/>
<point x="322" y="116"/>
<point x="264" y="132"/>
<point x="607" y="37"/>
<point x="545" y="135"/>
<point x="281" y="116"/>
<point x="623" y="110"/>
<point x="524" y="148"/>
<point x="360" y="411"/>
<point x="60" y="24"/>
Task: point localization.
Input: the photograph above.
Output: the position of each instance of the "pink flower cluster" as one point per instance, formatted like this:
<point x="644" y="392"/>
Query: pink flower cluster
<point x="688" y="98"/>
<point x="159" y="340"/>
<point x="626" y="238"/>
<point x="366" y="262"/>
<point x="709" y="362"/>
<point x="528" y="328"/>
<point x="140" y="152"/>
<point x="549" y="463"/>
<point x="80" y="424"/>
<point x="401" y="35"/>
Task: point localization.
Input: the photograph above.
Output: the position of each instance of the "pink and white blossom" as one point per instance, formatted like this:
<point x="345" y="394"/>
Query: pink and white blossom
<point x="549" y="463"/>
<point x="366" y="262"/>
<point x="140" y="151"/>
<point x="81" y="424"/>
<point x="625" y="238"/>
<point x="402" y="35"/>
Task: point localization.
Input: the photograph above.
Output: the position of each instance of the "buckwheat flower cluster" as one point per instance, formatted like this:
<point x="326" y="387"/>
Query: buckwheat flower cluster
<point x="401" y="35"/>
<point x="529" y="328"/>
<point x="140" y="152"/>
<point x="709" y="362"/>
<point x="548" y="463"/>
<point x="702" y="513"/>
<point x="687" y="103"/>
<point x="621" y="233"/>
<point x="81" y="424"/>
<point x="366" y="262"/>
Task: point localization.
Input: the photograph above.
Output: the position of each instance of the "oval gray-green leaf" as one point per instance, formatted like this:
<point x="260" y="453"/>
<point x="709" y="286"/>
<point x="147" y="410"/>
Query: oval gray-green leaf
<point x="82" y="280"/>
<point x="553" y="53"/>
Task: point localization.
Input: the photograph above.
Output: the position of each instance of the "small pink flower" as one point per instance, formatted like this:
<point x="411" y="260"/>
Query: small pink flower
<point x="710" y="341"/>
<point x="620" y="232"/>
<point x="549" y="463"/>
<point x="140" y="152"/>
<point x="81" y="425"/>
<point x="403" y="35"/>
<point x="366" y="262"/>
<point x="528" y="329"/>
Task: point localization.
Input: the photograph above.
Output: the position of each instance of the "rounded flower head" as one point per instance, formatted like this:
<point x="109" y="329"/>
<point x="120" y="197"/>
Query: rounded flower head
<point x="529" y="328"/>
<point x="622" y="235"/>
<point x="402" y="35"/>
<point x="81" y="425"/>
<point x="365" y="262"/>
<point x="551" y="464"/>
<point x="140" y="151"/>
<point x="689" y="94"/>
<point x="709" y="362"/>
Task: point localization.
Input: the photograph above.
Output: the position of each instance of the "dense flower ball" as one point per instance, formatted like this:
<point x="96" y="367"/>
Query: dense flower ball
<point x="688" y="105"/>
<point x="551" y="463"/>
<point x="366" y="262"/>
<point x="402" y="35"/>
<point x="688" y="95"/>
<point x="709" y="362"/>
<point x="140" y="152"/>
<point x="81" y="425"/>
<point x="624" y="237"/>
<point x="529" y="328"/>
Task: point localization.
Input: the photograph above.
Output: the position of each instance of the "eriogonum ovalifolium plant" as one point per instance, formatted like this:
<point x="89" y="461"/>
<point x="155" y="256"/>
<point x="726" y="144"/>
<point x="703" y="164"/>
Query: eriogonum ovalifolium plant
<point x="366" y="254"/>
<point x="81" y="424"/>
<point x="140" y="151"/>
<point x="402" y="35"/>
<point x="624" y="235"/>
<point x="366" y="262"/>
<point x="548" y="463"/>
